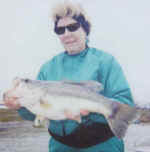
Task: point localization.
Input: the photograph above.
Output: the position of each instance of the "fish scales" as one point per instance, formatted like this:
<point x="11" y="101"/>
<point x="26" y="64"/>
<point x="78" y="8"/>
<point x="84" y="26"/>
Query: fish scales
<point x="51" y="99"/>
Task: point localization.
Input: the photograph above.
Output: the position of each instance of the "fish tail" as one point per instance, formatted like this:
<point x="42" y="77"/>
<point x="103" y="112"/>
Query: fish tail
<point x="122" y="115"/>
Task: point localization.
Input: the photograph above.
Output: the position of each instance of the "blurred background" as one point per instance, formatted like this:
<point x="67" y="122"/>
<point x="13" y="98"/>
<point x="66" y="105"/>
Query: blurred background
<point x="121" y="28"/>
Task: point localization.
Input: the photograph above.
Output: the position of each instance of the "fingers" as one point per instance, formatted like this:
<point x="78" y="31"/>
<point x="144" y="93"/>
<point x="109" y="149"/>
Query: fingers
<point x="84" y="112"/>
<point x="69" y="115"/>
<point x="12" y="103"/>
<point x="72" y="116"/>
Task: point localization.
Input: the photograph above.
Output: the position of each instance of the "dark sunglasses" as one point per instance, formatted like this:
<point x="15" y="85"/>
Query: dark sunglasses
<point x="71" y="28"/>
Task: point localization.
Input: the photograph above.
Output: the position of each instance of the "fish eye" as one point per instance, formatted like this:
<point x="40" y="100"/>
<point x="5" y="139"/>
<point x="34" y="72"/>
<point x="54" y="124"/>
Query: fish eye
<point x="26" y="80"/>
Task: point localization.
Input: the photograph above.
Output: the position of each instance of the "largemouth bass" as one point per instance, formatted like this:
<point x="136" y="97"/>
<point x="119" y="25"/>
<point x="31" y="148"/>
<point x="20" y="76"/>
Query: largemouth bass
<point x="51" y="99"/>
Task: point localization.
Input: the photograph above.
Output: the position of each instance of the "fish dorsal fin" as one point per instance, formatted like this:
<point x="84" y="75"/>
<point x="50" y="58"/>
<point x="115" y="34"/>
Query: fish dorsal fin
<point x="90" y="84"/>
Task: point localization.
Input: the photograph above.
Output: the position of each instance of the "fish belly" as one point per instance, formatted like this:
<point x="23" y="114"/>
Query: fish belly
<point x="74" y="104"/>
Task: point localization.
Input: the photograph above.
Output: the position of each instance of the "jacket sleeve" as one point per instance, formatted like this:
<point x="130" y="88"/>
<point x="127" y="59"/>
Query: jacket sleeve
<point x="115" y="84"/>
<point x="23" y="112"/>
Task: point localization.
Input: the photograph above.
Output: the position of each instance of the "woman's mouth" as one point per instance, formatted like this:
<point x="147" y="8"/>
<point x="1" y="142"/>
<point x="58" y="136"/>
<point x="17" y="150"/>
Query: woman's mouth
<point x="70" y="42"/>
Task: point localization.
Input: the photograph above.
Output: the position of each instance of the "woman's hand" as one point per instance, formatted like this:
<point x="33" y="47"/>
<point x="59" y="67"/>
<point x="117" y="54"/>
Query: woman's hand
<point x="12" y="103"/>
<point x="84" y="112"/>
<point x="70" y="115"/>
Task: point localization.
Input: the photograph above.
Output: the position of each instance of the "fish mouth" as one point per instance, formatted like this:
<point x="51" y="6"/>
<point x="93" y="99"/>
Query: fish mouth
<point x="6" y="97"/>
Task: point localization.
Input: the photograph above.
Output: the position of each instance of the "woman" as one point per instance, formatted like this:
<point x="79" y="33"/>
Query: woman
<point x="80" y="62"/>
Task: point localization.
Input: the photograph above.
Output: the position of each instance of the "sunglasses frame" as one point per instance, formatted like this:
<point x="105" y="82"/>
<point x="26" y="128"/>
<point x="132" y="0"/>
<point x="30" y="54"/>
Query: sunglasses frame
<point x="71" y="28"/>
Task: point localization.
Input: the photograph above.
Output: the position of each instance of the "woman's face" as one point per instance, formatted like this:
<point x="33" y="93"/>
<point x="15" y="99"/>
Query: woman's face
<point x="73" y="41"/>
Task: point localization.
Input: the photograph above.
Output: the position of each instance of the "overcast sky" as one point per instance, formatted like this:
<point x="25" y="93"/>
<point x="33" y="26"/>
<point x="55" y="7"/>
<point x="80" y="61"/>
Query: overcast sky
<point x="121" y="28"/>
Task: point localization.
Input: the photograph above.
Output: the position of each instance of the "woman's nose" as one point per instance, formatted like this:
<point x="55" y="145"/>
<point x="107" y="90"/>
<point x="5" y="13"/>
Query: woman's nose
<point x="67" y="32"/>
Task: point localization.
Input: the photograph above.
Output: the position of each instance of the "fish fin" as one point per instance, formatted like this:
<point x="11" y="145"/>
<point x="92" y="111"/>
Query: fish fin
<point x="90" y="84"/>
<point x="44" y="104"/>
<point x="39" y="122"/>
<point x="122" y="115"/>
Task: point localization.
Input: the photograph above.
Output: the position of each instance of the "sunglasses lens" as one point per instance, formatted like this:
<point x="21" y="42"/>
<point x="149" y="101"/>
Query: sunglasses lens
<point x="59" y="30"/>
<point x="73" y="27"/>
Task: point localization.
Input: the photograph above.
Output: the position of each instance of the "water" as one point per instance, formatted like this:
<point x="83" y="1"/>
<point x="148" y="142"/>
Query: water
<point x="22" y="137"/>
<point x="137" y="138"/>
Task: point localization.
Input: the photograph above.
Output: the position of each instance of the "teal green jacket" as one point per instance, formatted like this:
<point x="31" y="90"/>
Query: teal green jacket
<point x="90" y="64"/>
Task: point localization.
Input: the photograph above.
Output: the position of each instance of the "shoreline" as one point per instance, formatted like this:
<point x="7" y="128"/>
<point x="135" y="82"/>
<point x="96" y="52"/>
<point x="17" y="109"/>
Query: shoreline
<point x="7" y="115"/>
<point x="2" y="106"/>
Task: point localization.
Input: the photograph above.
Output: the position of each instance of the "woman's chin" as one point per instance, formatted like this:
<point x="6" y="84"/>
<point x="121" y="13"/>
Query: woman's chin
<point x="73" y="49"/>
